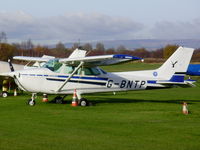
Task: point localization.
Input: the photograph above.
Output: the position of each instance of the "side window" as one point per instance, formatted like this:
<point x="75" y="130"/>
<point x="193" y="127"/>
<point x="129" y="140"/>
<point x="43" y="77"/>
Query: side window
<point x="95" y="71"/>
<point x="82" y="71"/>
<point x="68" y="69"/>
<point x="57" y="66"/>
<point x="104" y="72"/>
<point x="87" y="71"/>
<point x="90" y="71"/>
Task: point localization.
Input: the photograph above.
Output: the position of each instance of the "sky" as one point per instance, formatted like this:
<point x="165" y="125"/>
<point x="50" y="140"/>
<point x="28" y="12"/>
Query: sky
<point x="48" y="21"/>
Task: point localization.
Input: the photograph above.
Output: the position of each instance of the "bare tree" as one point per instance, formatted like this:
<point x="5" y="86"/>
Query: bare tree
<point x="87" y="47"/>
<point x="100" y="47"/>
<point x="121" y="48"/>
<point x="3" y="37"/>
<point x="60" y="46"/>
<point x="75" y="45"/>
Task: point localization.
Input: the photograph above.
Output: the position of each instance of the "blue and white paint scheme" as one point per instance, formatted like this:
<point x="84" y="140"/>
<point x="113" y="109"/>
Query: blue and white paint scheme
<point x="62" y="76"/>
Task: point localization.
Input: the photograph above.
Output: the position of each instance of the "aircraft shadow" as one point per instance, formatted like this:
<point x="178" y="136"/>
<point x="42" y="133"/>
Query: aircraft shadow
<point x="124" y="100"/>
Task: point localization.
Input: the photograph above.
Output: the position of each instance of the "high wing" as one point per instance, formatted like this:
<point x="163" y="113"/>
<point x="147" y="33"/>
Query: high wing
<point x="44" y="58"/>
<point x="77" y="53"/>
<point x="99" y="60"/>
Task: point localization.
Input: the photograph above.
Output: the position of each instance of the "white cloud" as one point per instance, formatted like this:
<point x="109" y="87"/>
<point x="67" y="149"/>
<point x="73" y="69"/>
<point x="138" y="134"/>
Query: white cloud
<point x="88" y="27"/>
<point x="177" y="30"/>
<point x="69" y="27"/>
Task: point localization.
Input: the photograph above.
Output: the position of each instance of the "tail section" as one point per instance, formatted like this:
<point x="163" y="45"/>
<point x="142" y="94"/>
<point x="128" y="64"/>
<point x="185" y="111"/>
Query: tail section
<point x="176" y="66"/>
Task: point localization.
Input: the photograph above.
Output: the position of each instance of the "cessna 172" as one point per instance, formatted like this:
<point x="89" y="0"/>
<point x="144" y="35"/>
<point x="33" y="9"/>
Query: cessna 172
<point x="81" y="72"/>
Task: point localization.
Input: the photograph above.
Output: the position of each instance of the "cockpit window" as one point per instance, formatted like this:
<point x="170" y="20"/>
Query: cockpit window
<point x="56" y="66"/>
<point x="86" y="71"/>
<point x="81" y="71"/>
<point x="68" y="69"/>
<point x="95" y="71"/>
<point x="53" y="65"/>
<point x="104" y="72"/>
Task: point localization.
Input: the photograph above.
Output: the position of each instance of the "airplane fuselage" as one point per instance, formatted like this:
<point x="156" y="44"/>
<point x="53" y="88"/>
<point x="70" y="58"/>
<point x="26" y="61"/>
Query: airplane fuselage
<point x="43" y="80"/>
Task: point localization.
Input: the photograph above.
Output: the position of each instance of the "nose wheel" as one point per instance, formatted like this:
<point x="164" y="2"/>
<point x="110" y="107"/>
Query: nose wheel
<point x="4" y="94"/>
<point x="31" y="102"/>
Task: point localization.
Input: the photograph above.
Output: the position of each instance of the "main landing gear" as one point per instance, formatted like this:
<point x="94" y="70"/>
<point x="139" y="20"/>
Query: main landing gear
<point x="83" y="102"/>
<point x="60" y="100"/>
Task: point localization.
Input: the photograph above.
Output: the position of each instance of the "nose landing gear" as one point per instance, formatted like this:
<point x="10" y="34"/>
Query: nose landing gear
<point x="31" y="102"/>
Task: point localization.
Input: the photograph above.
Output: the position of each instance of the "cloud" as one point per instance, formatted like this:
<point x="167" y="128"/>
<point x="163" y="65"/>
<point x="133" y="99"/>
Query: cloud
<point x="176" y="30"/>
<point x="89" y="27"/>
<point x="68" y="27"/>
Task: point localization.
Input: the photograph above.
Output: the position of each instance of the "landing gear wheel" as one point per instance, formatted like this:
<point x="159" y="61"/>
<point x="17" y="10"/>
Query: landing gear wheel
<point x="4" y="94"/>
<point x="31" y="102"/>
<point x="58" y="100"/>
<point x="83" y="102"/>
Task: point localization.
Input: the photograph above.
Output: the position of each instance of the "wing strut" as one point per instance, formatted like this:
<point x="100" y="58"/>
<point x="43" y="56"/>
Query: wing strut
<point x="75" y="70"/>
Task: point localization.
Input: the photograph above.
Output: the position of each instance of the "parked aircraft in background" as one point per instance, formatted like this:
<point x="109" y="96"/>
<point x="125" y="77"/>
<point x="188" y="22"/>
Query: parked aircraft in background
<point x="62" y="76"/>
<point x="4" y="67"/>
<point x="194" y="70"/>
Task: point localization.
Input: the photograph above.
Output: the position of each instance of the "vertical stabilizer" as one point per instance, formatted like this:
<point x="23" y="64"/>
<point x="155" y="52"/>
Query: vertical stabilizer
<point x="177" y="64"/>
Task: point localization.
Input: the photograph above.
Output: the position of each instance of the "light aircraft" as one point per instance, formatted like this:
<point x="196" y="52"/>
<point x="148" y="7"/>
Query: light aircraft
<point x="81" y="72"/>
<point x="4" y="67"/>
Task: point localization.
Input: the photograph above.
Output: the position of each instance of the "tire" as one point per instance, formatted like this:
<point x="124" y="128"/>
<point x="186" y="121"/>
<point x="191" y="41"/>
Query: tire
<point x="30" y="102"/>
<point x="83" y="102"/>
<point x="59" y="100"/>
<point x="4" y="94"/>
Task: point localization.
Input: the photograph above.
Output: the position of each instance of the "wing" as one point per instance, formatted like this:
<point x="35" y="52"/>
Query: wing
<point x="78" y="53"/>
<point x="100" y="60"/>
<point x="44" y="58"/>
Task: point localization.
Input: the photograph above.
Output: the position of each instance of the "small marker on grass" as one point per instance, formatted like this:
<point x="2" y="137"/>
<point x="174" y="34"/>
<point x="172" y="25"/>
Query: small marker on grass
<point x="45" y="98"/>
<point x="74" y="99"/>
<point x="185" y="109"/>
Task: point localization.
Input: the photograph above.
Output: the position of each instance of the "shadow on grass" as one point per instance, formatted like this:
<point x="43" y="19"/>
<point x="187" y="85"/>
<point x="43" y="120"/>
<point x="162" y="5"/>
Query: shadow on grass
<point x="108" y="98"/>
<point x="126" y="100"/>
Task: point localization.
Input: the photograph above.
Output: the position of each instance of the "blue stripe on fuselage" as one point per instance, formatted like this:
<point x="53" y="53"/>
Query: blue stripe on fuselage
<point x="74" y="77"/>
<point x="151" y="81"/>
<point x="77" y="81"/>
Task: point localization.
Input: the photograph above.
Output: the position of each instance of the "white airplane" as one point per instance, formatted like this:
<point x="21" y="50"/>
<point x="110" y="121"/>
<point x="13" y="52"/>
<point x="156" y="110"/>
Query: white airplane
<point x="62" y="76"/>
<point x="4" y="67"/>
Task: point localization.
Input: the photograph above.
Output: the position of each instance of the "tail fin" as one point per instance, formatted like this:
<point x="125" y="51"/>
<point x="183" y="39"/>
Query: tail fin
<point x="176" y="66"/>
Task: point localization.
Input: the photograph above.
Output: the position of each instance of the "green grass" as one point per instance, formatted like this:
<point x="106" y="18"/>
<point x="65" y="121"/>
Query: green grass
<point x="131" y="66"/>
<point x="134" y="120"/>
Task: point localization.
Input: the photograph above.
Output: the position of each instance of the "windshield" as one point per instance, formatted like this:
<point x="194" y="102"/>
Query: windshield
<point x="55" y="66"/>
<point x="52" y="64"/>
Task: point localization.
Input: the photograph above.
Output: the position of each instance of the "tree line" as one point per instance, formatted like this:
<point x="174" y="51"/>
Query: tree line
<point x="27" y="48"/>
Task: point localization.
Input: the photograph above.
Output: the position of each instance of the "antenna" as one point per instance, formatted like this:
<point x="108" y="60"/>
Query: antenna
<point x="79" y="44"/>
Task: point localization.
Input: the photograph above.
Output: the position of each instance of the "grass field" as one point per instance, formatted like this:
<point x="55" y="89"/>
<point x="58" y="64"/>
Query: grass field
<point x="134" y="120"/>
